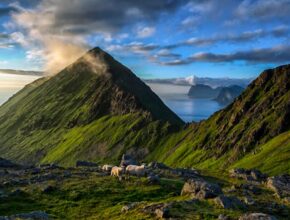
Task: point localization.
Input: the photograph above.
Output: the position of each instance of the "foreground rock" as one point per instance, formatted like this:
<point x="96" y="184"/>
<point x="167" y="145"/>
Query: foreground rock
<point x="257" y="216"/>
<point x="201" y="189"/>
<point x="229" y="202"/>
<point x="37" y="215"/>
<point x="280" y="184"/>
<point x="248" y="175"/>
<point x="7" y="164"/>
<point x="81" y="163"/>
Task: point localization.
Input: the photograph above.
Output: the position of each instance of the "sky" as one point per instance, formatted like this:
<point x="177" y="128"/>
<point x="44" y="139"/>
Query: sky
<point x="156" y="39"/>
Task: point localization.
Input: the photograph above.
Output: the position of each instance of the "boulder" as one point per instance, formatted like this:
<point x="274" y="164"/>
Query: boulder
<point x="257" y="216"/>
<point x="153" y="179"/>
<point x="223" y="217"/>
<point x="248" y="175"/>
<point x="162" y="213"/>
<point x="7" y="164"/>
<point x="82" y="163"/>
<point x="129" y="207"/>
<point x="127" y="160"/>
<point x="37" y="215"/>
<point x="157" y="165"/>
<point x="229" y="202"/>
<point x="280" y="184"/>
<point x="201" y="189"/>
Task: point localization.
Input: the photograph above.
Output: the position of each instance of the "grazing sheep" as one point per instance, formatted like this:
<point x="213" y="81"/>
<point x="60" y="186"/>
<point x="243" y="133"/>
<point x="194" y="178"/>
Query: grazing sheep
<point x="117" y="171"/>
<point x="107" y="168"/>
<point x="136" y="170"/>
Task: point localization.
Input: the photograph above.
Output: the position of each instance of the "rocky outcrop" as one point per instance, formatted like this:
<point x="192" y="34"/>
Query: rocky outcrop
<point x="37" y="215"/>
<point x="280" y="184"/>
<point x="7" y="163"/>
<point x="257" y="216"/>
<point x="201" y="189"/>
<point x="249" y="175"/>
<point x="81" y="163"/>
<point x="229" y="202"/>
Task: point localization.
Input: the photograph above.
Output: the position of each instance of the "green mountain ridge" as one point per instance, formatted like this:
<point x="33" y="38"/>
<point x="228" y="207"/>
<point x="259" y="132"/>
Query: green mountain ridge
<point x="97" y="109"/>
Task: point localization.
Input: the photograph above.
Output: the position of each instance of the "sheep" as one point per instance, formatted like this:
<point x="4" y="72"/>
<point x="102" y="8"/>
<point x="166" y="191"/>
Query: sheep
<point x="117" y="171"/>
<point x="107" y="168"/>
<point x="136" y="170"/>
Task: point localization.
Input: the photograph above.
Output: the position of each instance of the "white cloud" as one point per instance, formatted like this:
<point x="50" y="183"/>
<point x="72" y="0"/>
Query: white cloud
<point x="145" y="32"/>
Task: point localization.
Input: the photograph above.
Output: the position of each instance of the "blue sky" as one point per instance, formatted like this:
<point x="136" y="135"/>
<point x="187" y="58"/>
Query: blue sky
<point x="156" y="39"/>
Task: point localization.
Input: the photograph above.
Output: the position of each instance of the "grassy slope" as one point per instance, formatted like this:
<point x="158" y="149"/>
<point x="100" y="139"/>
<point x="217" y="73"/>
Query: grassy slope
<point x="273" y="157"/>
<point x="79" y="114"/>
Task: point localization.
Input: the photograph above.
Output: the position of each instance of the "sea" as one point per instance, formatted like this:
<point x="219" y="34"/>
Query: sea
<point x="188" y="109"/>
<point x="174" y="96"/>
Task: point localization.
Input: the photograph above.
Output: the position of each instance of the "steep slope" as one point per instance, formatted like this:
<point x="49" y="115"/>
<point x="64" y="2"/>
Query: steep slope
<point x="228" y="94"/>
<point x="95" y="108"/>
<point x="258" y="115"/>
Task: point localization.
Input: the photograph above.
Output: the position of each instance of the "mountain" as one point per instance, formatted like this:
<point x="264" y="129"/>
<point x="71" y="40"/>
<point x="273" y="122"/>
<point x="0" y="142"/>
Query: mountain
<point x="255" y="125"/>
<point x="201" y="91"/>
<point x="212" y="82"/>
<point x="94" y="109"/>
<point x="227" y="94"/>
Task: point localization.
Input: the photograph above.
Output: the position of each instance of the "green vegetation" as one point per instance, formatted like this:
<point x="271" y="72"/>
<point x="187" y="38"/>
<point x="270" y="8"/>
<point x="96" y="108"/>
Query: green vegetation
<point x="97" y="109"/>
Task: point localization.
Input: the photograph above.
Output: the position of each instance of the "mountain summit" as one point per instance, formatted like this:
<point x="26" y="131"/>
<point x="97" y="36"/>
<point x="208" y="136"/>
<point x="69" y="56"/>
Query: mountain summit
<point x="96" y="95"/>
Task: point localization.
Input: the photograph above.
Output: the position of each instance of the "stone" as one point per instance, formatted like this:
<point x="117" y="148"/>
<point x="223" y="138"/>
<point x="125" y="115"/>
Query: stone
<point x="248" y="175"/>
<point x="129" y="207"/>
<point x="157" y="165"/>
<point x="153" y="179"/>
<point x="280" y="184"/>
<point x="257" y="216"/>
<point x="229" y="202"/>
<point x="81" y="163"/>
<point x="201" y="189"/>
<point x="36" y="215"/>
<point x="48" y="189"/>
<point x="162" y="213"/>
<point x="249" y="200"/>
<point x="7" y="164"/>
<point x="223" y="217"/>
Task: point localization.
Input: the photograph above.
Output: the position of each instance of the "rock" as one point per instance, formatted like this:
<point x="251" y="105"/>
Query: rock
<point x="37" y="215"/>
<point x="229" y="202"/>
<point x="162" y="213"/>
<point x="49" y="166"/>
<point x="258" y="175"/>
<point x="156" y="165"/>
<point x="201" y="189"/>
<point x="257" y="216"/>
<point x="153" y="179"/>
<point x="7" y="164"/>
<point x="250" y="188"/>
<point x="223" y="217"/>
<point x="48" y="189"/>
<point x="249" y="200"/>
<point x="130" y="206"/>
<point x="81" y="163"/>
<point x="280" y="184"/>
<point x="127" y="160"/>
<point x="16" y="192"/>
<point x="248" y="175"/>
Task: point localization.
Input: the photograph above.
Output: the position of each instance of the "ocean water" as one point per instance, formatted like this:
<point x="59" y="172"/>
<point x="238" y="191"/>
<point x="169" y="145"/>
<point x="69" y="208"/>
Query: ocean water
<point x="175" y="97"/>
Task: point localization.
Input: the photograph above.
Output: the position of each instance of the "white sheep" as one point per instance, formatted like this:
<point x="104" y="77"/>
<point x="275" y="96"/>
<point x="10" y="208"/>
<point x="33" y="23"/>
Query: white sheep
<point x="136" y="170"/>
<point x="117" y="171"/>
<point x="107" y="168"/>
